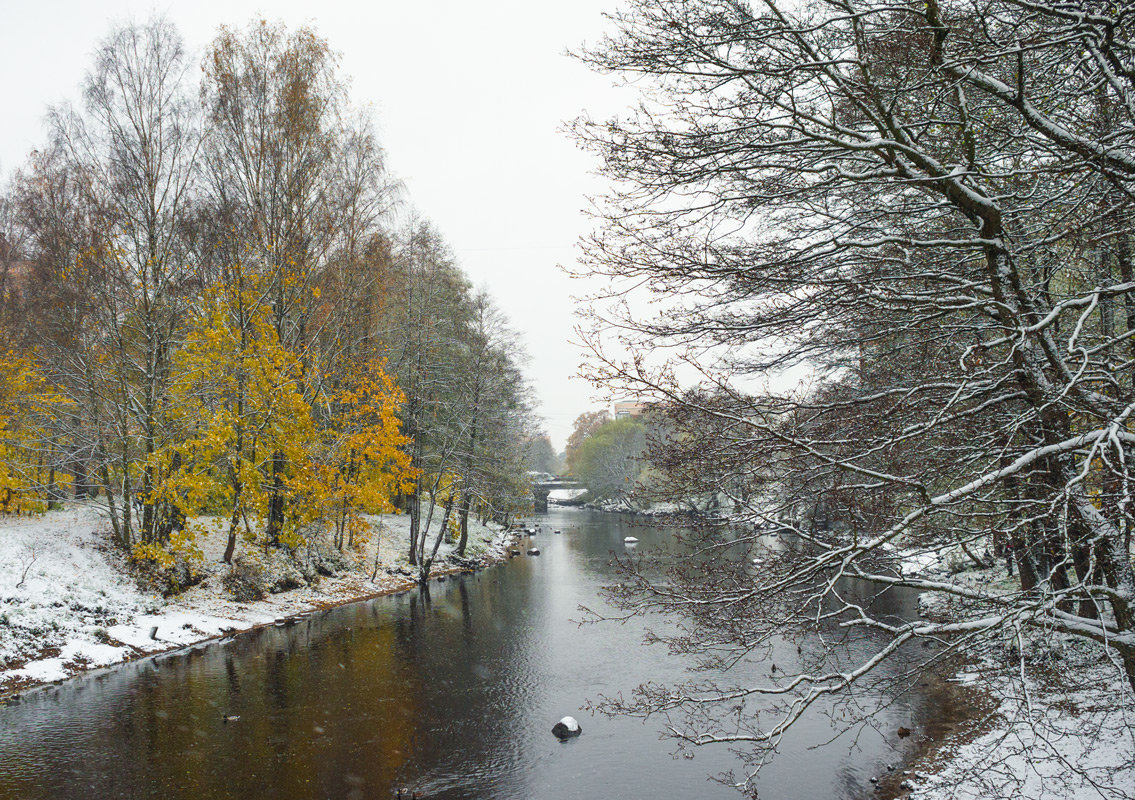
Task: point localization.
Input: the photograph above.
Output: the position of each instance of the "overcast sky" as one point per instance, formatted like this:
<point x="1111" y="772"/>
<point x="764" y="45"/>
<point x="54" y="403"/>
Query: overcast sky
<point x="469" y="99"/>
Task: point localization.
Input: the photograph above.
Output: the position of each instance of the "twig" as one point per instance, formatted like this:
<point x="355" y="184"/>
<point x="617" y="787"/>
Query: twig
<point x="24" y="576"/>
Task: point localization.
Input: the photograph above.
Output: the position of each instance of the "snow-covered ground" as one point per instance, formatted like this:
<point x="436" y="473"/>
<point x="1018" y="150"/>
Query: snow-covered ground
<point x="1064" y="725"/>
<point x="67" y="603"/>
<point x="1046" y="742"/>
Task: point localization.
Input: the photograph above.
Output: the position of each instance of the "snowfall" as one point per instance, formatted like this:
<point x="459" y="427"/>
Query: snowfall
<point x="67" y="604"/>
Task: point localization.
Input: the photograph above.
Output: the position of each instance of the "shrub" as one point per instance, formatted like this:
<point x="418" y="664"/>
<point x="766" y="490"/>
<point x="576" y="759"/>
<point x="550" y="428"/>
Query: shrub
<point x="245" y="580"/>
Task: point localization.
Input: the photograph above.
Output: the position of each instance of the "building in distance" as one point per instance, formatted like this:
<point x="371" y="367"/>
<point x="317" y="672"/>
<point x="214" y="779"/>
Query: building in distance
<point x="629" y="408"/>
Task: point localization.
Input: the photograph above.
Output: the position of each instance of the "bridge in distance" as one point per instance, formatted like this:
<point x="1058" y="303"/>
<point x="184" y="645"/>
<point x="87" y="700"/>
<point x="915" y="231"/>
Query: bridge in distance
<point x="544" y="484"/>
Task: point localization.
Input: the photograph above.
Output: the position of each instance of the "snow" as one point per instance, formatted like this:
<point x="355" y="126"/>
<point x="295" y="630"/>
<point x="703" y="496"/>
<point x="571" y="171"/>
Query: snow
<point x="918" y="563"/>
<point x="1045" y="744"/>
<point x="70" y="595"/>
<point x="565" y="495"/>
<point x="566" y="728"/>
<point x="1064" y="728"/>
<point x="77" y="606"/>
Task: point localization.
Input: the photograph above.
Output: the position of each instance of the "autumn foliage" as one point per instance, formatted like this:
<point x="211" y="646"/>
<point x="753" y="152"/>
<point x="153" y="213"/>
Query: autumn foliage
<point x="211" y="320"/>
<point x="28" y="479"/>
<point x="247" y="435"/>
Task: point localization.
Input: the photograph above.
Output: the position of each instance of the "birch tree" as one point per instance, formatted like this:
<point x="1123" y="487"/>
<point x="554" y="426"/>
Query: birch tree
<point x="131" y="153"/>
<point x="274" y="102"/>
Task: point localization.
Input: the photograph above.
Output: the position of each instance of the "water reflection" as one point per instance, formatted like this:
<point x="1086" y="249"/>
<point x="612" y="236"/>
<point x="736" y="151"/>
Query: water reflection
<point x="452" y="693"/>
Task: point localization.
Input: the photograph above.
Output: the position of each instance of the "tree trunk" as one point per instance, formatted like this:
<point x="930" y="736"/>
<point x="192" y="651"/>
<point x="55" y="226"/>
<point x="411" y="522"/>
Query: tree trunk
<point x="464" y="519"/>
<point x="1126" y="273"/>
<point x="276" y="501"/>
<point x="230" y="546"/>
<point x="121" y="534"/>
<point x="427" y="563"/>
<point x="415" y="520"/>
<point x="234" y="522"/>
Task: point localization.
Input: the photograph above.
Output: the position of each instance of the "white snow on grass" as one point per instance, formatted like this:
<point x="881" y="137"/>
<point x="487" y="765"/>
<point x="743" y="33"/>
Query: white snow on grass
<point x="67" y="601"/>
<point x="1065" y="731"/>
<point x="918" y="563"/>
<point x="1046" y="743"/>
<point x="58" y="590"/>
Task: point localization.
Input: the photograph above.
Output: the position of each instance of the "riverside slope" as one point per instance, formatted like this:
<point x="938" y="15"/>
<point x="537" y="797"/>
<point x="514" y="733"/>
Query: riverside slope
<point x="68" y="603"/>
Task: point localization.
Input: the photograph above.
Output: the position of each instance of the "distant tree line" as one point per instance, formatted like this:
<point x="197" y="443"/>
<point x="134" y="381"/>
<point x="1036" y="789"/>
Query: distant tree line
<point x="608" y="456"/>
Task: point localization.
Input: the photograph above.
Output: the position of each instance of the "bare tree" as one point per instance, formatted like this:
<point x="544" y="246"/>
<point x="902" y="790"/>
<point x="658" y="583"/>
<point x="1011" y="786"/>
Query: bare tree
<point x="275" y="103"/>
<point x="131" y="155"/>
<point x="497" y="417"/>
<point x="921" y="205"/>
<point x="542" y="455"/>
<point x="422" y="330"/>
<point x="465" y="408"/>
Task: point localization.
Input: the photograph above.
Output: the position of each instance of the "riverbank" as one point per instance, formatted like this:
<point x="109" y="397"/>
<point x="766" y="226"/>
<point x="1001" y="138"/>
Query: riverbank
<point x="378" y="694"/>
<point x="1057" y="724"/>
<point x="69" y="602"/>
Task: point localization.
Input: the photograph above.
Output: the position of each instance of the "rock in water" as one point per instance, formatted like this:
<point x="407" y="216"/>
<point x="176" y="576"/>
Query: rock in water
<point x="630" y="540"/>
<point x="534" y="551"/>
<point x="566" y="728"/>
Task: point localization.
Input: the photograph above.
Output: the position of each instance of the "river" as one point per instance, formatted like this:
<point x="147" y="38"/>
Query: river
<point x="452" y="695"/>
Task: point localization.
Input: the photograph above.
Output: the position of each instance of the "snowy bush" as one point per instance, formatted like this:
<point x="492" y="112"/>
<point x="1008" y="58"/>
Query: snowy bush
<point x="171" y="577"/>
<point x="246" y="580"/>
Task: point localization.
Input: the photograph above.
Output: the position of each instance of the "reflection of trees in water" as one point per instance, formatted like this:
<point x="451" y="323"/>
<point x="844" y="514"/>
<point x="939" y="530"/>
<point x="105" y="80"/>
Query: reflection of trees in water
<point x="437" y="694"/>
<point x="707" y="583"/>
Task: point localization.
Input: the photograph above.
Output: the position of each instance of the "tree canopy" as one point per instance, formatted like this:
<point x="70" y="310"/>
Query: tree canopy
<point x="207" y="307"/>
<point x="925" y="207"/>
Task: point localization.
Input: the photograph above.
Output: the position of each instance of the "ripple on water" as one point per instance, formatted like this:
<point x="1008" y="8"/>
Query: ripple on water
<point x="453" y="694"/>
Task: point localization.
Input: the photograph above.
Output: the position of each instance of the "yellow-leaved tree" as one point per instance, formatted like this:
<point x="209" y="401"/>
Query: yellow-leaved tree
<point x="28" y="406"/>
<point x="366" y="461"/>
<point x="249" y="442"/>
<point x="238" y="403"/>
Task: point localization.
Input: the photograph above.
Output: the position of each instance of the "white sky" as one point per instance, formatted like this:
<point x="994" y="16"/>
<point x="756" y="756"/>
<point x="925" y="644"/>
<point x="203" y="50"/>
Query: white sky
<point x="469" y="99"/>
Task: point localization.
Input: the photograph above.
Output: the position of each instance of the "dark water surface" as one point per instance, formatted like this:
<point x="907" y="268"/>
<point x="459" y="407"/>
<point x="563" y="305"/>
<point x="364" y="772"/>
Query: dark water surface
<point x="453" y="695"/>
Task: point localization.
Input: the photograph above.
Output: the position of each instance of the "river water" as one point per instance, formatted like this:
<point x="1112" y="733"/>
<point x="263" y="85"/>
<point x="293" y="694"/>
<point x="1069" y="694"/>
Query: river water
<point x="452" y="695"/>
